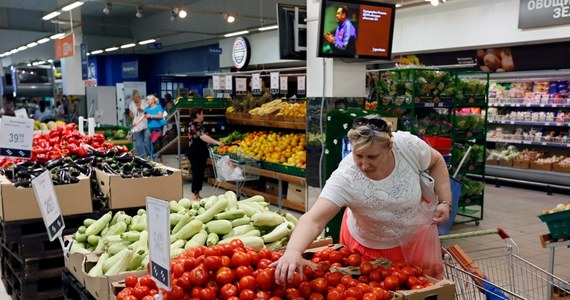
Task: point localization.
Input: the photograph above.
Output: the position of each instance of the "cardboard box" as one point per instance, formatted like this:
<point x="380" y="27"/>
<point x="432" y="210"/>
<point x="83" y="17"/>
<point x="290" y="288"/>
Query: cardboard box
<point x="132" y="192"/>
<point x="21" y="204"/>
<point x="296" y="193"/>
<point x="99" y="287"/>
<point x="440" y="290"/>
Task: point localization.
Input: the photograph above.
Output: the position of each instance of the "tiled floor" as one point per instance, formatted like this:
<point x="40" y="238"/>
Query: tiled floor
<point x="514" y="210"/>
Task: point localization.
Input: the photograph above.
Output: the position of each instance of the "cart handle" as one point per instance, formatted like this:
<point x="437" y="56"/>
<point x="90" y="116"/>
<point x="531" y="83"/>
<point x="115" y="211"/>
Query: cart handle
<point x="500" y="231"/>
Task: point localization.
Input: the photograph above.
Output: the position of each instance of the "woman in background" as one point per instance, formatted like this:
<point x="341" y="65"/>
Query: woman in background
<point x="153" y="114"/>
<point x="198" y="150"/>
<point x="139" y="132"/>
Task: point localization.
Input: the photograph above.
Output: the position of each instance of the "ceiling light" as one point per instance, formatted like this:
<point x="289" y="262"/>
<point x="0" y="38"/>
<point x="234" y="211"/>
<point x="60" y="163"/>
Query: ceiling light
<point x="96" y="52"/>
<point x="434" y="2"/>
<point x="2" y="55"/>
<point x="236" y="33"/>
<point x="128" y="45"/>
<point x="32" y="44"/>
<point x="229" y="18"/>
<point x="398" y="5"/>
<point x="147" y="42"/>
<point x="139" y="12"/>
<point x="108" y="7"/>
<point x="111" y="49"/>
<point x="44" y="40"/>
<point x="51" y="15"/>
<point x="57" y="36"/>
<point x="173" y="15"/>
<point x="50" y="60"/>
<point x="182" y="14"/>
<point x="22" y="48"/>
<point x="13" y="51"/>
<point x="270" y="27"/>
<point x="6" y="53"/>
<point x="72" y="5"/>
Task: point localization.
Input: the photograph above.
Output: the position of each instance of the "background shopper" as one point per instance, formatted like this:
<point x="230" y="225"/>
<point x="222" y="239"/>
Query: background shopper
<point x="153" y="113"/>
<point x="139" y="130"/>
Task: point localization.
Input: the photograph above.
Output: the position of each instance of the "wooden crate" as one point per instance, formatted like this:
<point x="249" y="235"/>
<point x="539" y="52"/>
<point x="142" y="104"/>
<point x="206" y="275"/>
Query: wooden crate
<point x="521" y="164"/>
<point x="506" y="163"/>
<point x="560" y="168"/>
<point x="541" y="166"/>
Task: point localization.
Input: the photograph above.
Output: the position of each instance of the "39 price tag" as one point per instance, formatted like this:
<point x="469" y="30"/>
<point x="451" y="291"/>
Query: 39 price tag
<point x="49" y="205"/>
<point x="16" y="137"/>
<point x="158" y="220"/>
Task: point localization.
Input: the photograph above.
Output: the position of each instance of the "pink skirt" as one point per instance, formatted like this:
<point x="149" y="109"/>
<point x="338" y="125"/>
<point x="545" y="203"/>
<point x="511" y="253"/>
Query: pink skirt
<point x="393" y="254"/>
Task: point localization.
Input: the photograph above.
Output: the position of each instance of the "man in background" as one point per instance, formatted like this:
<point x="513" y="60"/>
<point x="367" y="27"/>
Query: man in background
<point x="344" y="39"/>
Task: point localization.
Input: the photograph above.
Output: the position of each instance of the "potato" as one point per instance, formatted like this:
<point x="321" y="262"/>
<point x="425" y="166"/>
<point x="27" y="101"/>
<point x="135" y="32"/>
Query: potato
<point x="485" y="69"/>
<point x="494" y="51"/>
<point x="480" y="54"/>
<point x="492" y="61"/>
<point x="507" y="63"/>
<point x="505" y="52"/>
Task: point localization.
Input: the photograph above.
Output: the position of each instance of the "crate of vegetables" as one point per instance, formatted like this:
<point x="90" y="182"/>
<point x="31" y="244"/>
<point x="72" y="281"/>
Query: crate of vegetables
<point x="557" y="220"/>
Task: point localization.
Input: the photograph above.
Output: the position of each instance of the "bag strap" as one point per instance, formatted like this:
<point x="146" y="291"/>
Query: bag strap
<point x="415" y="164"/>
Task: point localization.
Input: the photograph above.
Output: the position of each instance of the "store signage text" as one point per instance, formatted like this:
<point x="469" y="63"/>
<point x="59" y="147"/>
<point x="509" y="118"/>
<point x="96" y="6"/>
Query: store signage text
<point x="241" y="52"/>
<point x="541" y="13"/>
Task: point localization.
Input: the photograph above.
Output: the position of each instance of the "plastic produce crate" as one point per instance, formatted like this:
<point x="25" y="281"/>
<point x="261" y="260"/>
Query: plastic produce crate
<point x="558" y="224"/>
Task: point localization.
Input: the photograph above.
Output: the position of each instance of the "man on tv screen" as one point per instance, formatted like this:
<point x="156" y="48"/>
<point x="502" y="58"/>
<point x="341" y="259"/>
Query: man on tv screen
<point x="344" y="39"/>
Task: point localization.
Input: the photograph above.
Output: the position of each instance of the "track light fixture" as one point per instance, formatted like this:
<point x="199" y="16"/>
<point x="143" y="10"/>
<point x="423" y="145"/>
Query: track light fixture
<point x="139" y="12"/>
<point x="182" y="13"/>
<point x="173" y="15"/>
<point x="229" y="17"/>
<point x="436" y="2"/>
<point x="108" y="7"/>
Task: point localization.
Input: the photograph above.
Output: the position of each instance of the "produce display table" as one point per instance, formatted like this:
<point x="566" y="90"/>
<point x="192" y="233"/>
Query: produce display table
<point x="547" y="242"/>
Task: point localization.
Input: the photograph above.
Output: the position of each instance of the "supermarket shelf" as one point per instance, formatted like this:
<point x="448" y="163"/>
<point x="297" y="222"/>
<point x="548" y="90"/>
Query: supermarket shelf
<point x="545" y="105"/>
<point x="544" y="178"/>
<point x="268" y="197"/>
<point x="532" y="143"/>
<point x="268" y="123"/>
<point x="529" y="123"/>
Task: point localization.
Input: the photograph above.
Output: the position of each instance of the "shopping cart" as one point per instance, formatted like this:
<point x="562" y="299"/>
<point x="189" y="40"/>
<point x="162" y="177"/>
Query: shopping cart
<point x="233" y="169"/>
<point x="499" y="272"/>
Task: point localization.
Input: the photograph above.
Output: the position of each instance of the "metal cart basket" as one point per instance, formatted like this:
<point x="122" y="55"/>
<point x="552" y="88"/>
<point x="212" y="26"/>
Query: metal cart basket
<point x="240" y="173"/>
<point x="499" y="272"/>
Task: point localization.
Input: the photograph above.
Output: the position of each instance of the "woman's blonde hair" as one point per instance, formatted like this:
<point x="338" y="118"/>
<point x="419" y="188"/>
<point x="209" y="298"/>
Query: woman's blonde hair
<point x="369" y="129"/>
<point x="153" y="98"/>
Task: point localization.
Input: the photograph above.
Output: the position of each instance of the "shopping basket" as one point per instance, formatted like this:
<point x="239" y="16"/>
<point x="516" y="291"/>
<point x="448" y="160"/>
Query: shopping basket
<point x="497" y="272"/>
<point x="234" y="169"/>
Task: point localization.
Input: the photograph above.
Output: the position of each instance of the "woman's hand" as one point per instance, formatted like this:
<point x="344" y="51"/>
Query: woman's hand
<point x="286" y="266"/>
<point x="441" y="214"/>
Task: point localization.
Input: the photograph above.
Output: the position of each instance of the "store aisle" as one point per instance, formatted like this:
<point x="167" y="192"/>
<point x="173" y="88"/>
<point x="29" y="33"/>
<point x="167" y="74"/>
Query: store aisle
<point x="515" y="210"/>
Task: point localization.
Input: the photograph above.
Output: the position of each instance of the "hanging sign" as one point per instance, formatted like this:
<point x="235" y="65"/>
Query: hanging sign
<point x="241" y="86"/>
<point x="222" y="84"/>
<point x="216" y="83"/>
<point x="229" y="84"/>
<point x="158" y="220"/>
<point x="21" y="113"/>
<point x="283" y="84"/>
<point x="241" y="52"/>
<point x="65" y="46"/>
<point x="542" y="13"/>
<point x="16" y="137"/>
<point x="49" y="205"/>
<point x="256" y="83"/>
<point x="301" y="85"/>
<point x="274" y="83"/>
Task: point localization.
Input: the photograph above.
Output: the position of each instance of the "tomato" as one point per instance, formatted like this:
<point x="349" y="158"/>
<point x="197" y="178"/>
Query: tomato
<point x="240" y="259"/>
<point x="408" y="271"/>
<point x="224" y="275"/>
<point x="422" y="279"/>
<point x="184" y="281"/>
<point x="375" y="276"/>
<point x="308" y="271"/>
<point x="247" y="282"/>
<point x="266" y="279"/>
<point x="353" y="283"/>
<point x="212" y="263"/>
<point x="207" y="294"/>
<point x="369" y="296"/>
<point x="391" y="283"/>
<point x="242" y="271"/>
<point x="177" y="292"/>
<point x="319" y="285"/>
<point x="296" y="280"/>
<point x="335" y="257"/>
<point x="123" y="294"/>
<point x="178" y="269"/>
<point x="264" y="253"/>
<point x="292" y="293"/>
<point x="262" y="295"/>
<point x="279" y="291"/>
<point x="353" y="292"/>
<point x="385" y="273"/>
<point x="379" y="292"/>
<point x="253" y="257"/>
<point x="246" y="294"/>
<point x="212" y="251"/>
<point x="141" y="291"/>
<point x="316" y="296"/>
<point x="196" y="292"/>
<point x="227" y="249"/>
<point x="148" y="297"/>
<point x="189" y="263"/>
<point x="237" y="243"/>
<point x="228" y="290"/>
<point x="226" y="261"/>
<point x="199" y="275"/>
<point x="412" y="280"/>
<point x="335" y="294"/>
<point x="401" y="276"/>
<point x="366" y="268"/>
<point x="131" y="281"/>
<point x="365" y="288"/>
<point x="345" y="279"/>
<point x="305" y="289"/>
<point x="417" y="287"/>
<point x="345" y="252"/>
<point x="354" y="260"/>
<point x="146" y="280"/>
<point x="333" y="278"/>
<point x="363" y="278"/>
<point x="275" y="256"/>
<point x="263" y="263"/>
<point x="418" y="270"/>
<point x="130" y="297"/>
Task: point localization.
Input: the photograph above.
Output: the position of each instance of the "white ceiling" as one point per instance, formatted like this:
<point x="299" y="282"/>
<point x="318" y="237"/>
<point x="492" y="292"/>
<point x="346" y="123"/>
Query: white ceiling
<point x="21" y="23"/>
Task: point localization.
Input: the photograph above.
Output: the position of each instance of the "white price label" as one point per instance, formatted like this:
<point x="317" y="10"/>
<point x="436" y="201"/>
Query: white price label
<point x="16" y="137"/>
<point x="541" y="105"/>
<point x="301" y="87"/>
<point x="554" y="105"/>
<point x="546" y="123"/>
<point x="429" y="105"/>
<point x="283" y="84"/>
<point x="216" y="83"/>
<point x="49" y="205"/>
<point x="544" y="143"/>
<point x="229" y="84"/>
<point x="158" y="220"/>
<point x="241" y="85"/>
<point x="274" y="82"/>
<point x="21" y="113"/>
<point x="256" y="82"/>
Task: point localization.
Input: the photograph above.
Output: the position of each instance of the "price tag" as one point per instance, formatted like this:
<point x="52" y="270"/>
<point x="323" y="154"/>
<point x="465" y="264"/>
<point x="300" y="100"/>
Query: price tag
<point x="512" y="122"/>
<point x="216" y="83"/>
<point x="241" y="86"/>
<point x="542" y="105"/>
<point x="527" y="142"/>
<point x="301" y="89"/>
<point x="544" y="143"/>
<point x="274" y="82"/>
<point x="21" y="113"/>
<point x="229" y="84"/>
<point x="49" y="206"/>
<point x="554" y="105"/>
<point x="546" y="124"/>
<point x="158" y="220"/>
<point x="256" y="83"/>
<point x="16" y="137"/>
<point x="429" y="105"/>
<point x="517" y="105"/>
<point x="283" y="84"/>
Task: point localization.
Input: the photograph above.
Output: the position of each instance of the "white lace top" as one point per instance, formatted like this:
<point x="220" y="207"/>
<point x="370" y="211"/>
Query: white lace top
<point x="379" y="211"/>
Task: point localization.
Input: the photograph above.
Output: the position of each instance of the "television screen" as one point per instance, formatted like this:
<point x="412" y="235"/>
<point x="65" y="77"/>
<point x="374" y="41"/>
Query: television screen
<point x="292" y="31"/>
<point x="356" y="29"/>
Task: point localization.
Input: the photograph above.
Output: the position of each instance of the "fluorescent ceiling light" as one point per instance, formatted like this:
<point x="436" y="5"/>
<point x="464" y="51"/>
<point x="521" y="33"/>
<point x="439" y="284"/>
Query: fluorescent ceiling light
<point x="44" y="40"/>
<point x="271" y="27"/>
<point x="147" y="42"/>
<point x="72" y="6"/>
<point x="50" y="60"/>
<point x="96" y="52"/>
<point x="22" y="48"/>
<point x="182" y="14"/>
<point x="398" y="5"/>
<point x="6" y="53"/>
<point x="128" y="45"/>
<point x="14" y="51"/>
<point x="32" y="44"/>
<point x="51" y="15"/>
<point x="57" y="36"/>
<point x="236" y="33"/>
<point x="2" y="55"/>
<point x="88" y="53"/>
<point x="111" y="49"/>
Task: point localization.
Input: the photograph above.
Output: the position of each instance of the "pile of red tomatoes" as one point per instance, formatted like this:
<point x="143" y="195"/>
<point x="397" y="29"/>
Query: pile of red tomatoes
<point x="232" y="271"/>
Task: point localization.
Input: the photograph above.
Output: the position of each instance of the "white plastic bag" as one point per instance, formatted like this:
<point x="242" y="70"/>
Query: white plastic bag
<point x="227" y="171"/>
